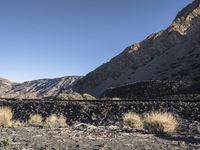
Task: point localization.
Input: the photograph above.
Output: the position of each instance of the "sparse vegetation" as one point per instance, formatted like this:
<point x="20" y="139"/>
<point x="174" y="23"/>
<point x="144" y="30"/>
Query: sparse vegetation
<point x="155" y="122"/>
<point x="133" y="120"/>
<point x="61" y="121"/>
<point x="35" y="119"/>
<point x="17" y="123"/>
<point x="5" y="142"/>
<point x="55" y="121"/>
<point x="88" y="97"/>
<point x="159" y="122"/>
<point x="70" y="95"/>
<point x="6" y="117"/>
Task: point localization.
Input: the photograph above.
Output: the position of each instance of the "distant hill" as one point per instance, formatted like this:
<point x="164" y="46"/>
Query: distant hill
<point x="5" y="86"/>
<point x="43" y="88"/>
<point x="171" y="54"/>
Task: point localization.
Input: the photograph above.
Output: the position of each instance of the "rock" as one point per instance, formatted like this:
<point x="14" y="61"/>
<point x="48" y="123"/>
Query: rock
<point x="194" y="128"/>
<point x="128" y="129"/>
<point x="112" y="127"/>
<point x="82" y="126"/>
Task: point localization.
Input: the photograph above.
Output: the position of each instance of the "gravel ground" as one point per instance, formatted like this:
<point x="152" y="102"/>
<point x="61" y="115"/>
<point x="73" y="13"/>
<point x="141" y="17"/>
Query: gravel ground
<point x="86" y="137"/>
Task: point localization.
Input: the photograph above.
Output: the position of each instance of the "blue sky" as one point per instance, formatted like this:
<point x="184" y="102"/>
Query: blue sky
<point x="54" y="38"/>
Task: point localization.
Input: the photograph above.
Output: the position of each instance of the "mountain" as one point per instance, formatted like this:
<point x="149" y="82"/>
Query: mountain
<point x="171" y="54"/>
<point x="43" y="88"/>
<point x="5" y="85"/>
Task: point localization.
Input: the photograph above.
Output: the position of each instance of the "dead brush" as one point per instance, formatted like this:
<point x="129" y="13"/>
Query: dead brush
<point x="132" y="120"/>
<point x="35" y="119"/>
<point x="54" y="121"/>
<point x="159" y="122"/>
<point x="6" y="116"/>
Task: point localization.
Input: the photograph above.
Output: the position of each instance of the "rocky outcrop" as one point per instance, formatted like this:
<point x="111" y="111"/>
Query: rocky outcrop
<point x="172" y="54"/>
<point x="37" y="89"/>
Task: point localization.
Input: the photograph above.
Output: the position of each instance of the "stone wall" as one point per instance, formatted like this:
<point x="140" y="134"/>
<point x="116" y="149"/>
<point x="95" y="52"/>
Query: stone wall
<point x="101" y="113"/>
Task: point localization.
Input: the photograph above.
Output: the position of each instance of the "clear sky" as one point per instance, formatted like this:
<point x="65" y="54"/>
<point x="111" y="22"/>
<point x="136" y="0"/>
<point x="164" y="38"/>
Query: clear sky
<point x="54" y="38"/>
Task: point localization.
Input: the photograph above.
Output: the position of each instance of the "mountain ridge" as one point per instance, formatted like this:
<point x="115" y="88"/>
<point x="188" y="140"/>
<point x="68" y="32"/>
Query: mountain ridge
<point x="36" y="89"/>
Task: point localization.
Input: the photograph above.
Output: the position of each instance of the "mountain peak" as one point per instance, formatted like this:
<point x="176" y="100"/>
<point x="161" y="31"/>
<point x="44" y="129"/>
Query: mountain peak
<point x="194" y="7"/>
<point x="186" y="17"/>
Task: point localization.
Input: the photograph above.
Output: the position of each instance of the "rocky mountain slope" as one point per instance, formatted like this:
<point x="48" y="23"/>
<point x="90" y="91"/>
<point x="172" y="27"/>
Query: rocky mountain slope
<point x="43" y="88"/>
<point x="171" y="54"/>
<point x="5" y="85"/>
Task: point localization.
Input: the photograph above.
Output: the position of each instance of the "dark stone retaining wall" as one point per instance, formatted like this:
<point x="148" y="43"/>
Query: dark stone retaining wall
<point x="101" y="113"/>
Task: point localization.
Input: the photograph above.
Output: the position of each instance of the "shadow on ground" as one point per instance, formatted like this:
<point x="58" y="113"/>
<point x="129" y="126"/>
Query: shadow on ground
<point x="184" y="138"/>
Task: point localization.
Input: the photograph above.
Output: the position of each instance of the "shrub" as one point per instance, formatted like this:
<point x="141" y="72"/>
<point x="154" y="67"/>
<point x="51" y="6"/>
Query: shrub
<point x="6" y="117"/>
<point x="17" y="124"/>
<point x="159" y="122"/>
<point x="133" y="120"/>
<point x="61" y="120"/>
<point x="88" y="97"/>
<point x="55" y="121"/>
<point x="70" y="95"/>
<point x="51" y="120"/>
<point x="5" y="142"/>
<point x="35" y="119"/>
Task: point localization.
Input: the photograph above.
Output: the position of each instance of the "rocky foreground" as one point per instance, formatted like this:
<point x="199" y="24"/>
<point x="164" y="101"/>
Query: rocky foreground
<point x="101" y="126"/>
<point x="83" y="136"/>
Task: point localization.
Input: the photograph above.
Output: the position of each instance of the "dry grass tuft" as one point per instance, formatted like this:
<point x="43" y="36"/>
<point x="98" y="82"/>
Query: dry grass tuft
<point x="35" y="119"/>
<point x="159" y="122"/>
<point x="6" y="117"/>
<point x="61" y="121"/>
<point x="51" y="120"/>
<point x="17" y="124"/>
<point x="133" y="120"/>
<point x="55" y="121"/>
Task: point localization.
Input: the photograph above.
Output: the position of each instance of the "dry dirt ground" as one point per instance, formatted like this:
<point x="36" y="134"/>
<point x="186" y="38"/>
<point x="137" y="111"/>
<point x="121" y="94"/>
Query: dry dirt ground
<point x="86" y="137"/>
